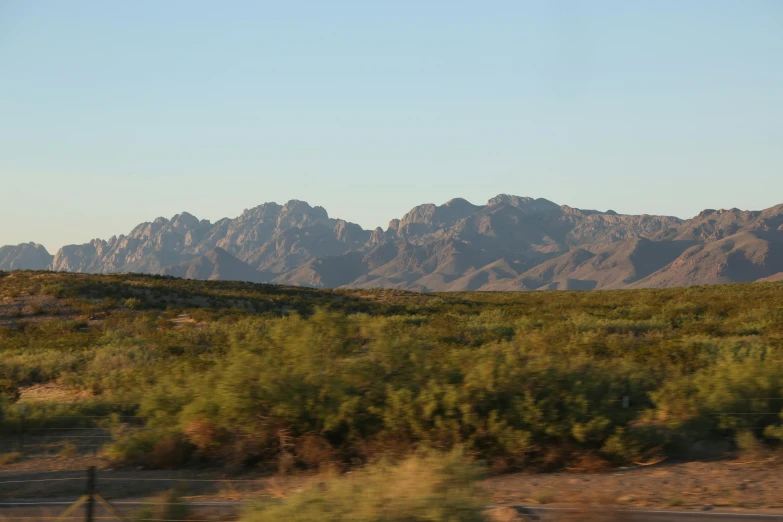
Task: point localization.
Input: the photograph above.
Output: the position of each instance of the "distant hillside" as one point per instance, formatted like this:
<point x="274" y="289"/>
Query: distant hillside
<point x="510" y="243"/>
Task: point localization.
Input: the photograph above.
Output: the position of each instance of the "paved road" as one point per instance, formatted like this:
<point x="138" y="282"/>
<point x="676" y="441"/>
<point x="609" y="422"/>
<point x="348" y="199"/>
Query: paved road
<point x="639" y="515"/>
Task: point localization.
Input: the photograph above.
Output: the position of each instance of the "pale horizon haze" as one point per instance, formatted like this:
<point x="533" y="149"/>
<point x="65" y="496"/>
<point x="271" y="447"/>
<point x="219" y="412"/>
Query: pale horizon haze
<point x="114" y="113"/>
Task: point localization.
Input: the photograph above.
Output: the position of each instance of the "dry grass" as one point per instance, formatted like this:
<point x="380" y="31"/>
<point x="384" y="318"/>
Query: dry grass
<point x="68" y="450"/>
<point x="430" y="487"/>
<point x="52" y="392"/>
<point x="543" y="498"/>
<point x="589" y="463"/>
<point x="9" y="458"/>
<point x="503" y="514"/>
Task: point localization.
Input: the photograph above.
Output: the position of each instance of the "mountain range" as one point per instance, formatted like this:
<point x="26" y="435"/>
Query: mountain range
<point x="510" y="243"/>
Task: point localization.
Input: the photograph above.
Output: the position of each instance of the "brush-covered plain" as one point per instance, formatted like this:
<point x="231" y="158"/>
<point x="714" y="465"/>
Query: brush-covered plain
<point x="241" y="374"/>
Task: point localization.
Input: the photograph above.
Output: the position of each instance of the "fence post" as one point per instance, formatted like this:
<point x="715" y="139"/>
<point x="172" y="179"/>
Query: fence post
<point x="90" y="512"/>
<point x="21" y="427"/>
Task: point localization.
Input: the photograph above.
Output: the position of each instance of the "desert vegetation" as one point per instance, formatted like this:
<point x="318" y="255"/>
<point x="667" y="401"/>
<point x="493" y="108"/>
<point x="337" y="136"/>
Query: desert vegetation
<point x="241" y="374"/>
<point x="427" y="486"/>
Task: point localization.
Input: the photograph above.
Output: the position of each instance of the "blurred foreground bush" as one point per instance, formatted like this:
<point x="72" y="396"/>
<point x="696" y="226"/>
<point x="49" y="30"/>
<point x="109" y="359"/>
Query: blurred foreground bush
<point x="430" y="487"/>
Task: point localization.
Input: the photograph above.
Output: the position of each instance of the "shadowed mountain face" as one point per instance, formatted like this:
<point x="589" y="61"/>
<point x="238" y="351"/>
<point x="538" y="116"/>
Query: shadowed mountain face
<point x="217" y="264"/>
<point x="511" y="243"/>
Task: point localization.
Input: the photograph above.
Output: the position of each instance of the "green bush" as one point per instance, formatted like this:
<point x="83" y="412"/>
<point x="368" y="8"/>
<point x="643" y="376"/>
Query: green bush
<point x="154" y="449"/>
<point x="133" y="303"/>
<point x="57" y="290"/>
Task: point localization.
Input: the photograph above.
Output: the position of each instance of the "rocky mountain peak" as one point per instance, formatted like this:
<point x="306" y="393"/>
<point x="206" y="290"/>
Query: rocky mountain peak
<point x="526" y="204"/>
<point x="25" y="256"/>
<point x="513" y="242"/>
<point x="296" y="207"/>
<point x="263" y="211"/>
<point x="376" y="236"/>
<point x="431" y="219"/>
<point x="350" y="233"/>
<point x="184" y="221"/>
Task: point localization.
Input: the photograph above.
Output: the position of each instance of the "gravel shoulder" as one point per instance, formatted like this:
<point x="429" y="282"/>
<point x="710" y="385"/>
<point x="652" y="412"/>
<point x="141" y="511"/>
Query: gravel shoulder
<point x="723" y="485"/>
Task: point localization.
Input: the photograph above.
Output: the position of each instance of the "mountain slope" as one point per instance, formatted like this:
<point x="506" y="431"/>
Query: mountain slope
<point x="741" y="257"/>
<point x="215" y="265"/>
<point x="608" y="266"/>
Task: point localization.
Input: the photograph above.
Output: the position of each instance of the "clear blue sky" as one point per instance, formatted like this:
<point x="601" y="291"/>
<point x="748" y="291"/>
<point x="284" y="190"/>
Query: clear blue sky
<point x="113" y="113"/>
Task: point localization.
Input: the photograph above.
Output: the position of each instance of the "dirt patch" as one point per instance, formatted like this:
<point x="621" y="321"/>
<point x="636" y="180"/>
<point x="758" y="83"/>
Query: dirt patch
<point x="184" y="319"/>
<point x="737" y="484"/>
<point x="52" y="392"/>
<point x="31" y="308"/>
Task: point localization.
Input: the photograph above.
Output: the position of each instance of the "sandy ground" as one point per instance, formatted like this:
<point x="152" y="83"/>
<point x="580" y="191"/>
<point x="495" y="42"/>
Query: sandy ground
<point x="726" y="485"/>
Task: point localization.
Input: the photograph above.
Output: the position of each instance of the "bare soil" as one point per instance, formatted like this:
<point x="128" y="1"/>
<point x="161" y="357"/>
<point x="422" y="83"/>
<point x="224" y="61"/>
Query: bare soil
<point x="52" y="392"/>
<point x="748" y="483"/>
<point x="33" y="309"/>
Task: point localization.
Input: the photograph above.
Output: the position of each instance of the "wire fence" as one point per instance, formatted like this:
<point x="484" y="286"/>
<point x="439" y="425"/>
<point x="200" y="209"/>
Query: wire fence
<point x="35" y="429"/>
<point x="33" y="433"/>
<point x="101" y="496"/>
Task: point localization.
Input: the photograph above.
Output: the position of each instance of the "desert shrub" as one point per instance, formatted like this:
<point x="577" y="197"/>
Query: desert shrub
<point x="68" y="450"/>
<point x="58" y="290"/>
<point x="430" y="487"/>
<point x="9" y="458"/>
<point x="747" y="442"/>
<point x="155" y="449"/>
<point x="133" y="303"/>
<point x="316" y="452"/>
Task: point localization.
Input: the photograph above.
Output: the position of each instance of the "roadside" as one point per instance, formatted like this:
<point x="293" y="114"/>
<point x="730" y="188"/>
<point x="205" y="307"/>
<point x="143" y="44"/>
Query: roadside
<point x="721" y="485"/>
<point x="729" y="486"/>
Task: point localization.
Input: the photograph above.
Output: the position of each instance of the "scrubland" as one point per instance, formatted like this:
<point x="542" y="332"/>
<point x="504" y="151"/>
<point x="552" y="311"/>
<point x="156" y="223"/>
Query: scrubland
<point x="246" y="376"/>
